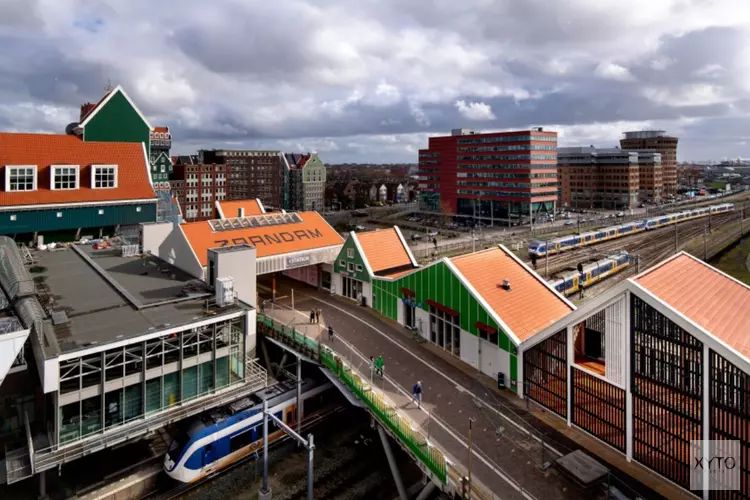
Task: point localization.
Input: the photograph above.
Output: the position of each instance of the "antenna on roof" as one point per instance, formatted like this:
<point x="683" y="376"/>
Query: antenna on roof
<point x="109" y="87"/>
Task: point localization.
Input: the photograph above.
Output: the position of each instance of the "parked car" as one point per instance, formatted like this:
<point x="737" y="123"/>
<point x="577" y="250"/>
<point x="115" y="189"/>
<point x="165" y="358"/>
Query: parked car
<point x="620" y="214"/>
<point x="416" y="237"/>
<point x="360" y="228"/>
<point x="569" y="223"/>
<point x="432" y="234"/>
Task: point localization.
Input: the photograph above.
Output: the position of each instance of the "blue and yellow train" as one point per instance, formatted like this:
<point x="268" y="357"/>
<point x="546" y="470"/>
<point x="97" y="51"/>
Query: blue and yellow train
<point x="592" y="273"/>
<point x="557" y="245"/>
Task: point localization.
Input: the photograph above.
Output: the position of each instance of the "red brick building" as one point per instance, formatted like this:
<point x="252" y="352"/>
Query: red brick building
<point x="495" y="176"/>
<point x="197" y="187"/>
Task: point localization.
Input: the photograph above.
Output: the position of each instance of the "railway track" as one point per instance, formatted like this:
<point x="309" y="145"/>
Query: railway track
<point x="178" y="490"/>
<point x="649" y="246"/>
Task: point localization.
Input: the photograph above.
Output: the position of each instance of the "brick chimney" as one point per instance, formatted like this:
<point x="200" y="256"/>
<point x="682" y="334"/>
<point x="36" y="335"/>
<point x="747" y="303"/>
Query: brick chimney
<point x="86" y="109"/>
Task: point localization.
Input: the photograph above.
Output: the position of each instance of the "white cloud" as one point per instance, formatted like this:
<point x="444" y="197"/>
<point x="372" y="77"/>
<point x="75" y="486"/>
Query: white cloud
<point x="475" y="110"/>
<point x="612" y="71"/>
<point x="329" y="70"/>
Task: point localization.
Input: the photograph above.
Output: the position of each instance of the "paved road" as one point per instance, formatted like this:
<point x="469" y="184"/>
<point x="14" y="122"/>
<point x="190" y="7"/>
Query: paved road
<point x="506" y="455"/>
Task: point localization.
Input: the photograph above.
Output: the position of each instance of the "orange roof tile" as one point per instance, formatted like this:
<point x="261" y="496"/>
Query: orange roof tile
<point x="383" y="249"/>
<point x="44" y="150"/>
<point x="529" y="306"/>
<point x="163" y="130"/>
<point x="312" y="233"/>
<point x="707" y="297"/>
<point x="231" y="209"/>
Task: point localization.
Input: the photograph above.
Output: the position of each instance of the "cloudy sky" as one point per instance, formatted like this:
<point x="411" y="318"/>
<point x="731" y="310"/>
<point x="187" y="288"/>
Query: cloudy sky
<point x="370" y="80"/>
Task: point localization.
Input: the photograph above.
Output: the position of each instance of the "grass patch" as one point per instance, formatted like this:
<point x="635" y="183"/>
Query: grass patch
<point x="733" y="261"/>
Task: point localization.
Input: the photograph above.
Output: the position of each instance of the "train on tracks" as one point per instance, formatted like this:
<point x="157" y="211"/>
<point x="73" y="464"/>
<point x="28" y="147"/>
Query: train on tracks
<point x="591" y="274"/>
<point x="222" y="436"/>
<point x="539" y="248"/>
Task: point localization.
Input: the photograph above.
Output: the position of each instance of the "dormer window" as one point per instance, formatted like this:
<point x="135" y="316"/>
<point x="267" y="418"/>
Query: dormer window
<point x="64" y="177"/>
<point x="103" y="176"/>
<point x="20" y="178"/>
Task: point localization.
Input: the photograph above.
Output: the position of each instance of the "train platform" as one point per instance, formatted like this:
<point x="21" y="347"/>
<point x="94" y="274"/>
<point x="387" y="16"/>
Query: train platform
<point x="512" y="448"/>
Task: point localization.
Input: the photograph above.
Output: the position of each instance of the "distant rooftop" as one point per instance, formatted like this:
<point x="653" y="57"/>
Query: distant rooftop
<point x="97" y="296"/>
<point x="644" y="134"/>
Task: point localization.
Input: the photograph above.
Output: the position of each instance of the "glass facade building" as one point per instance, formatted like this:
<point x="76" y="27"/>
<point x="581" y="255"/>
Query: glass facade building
<point x="120" y="385"/>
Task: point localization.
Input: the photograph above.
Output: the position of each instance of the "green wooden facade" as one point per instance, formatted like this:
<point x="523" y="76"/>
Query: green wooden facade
<point x="161" y="166"/>
<point x="33" y="220"/>
<point x="356" y="260"/>
<point x="117" y="121"/>
<point x="438" y="283"/>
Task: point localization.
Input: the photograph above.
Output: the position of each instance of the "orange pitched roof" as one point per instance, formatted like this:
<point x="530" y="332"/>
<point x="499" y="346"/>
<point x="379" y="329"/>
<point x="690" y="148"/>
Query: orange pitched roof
<point x="383" y="249"/>
<point x="707" y="297"/>
<point x="231" y="209"/>
<point x="312" y="233"/>
<point x="529" y="306"/>
<point x="44" y="150"/>
<point x="164" y="130"/>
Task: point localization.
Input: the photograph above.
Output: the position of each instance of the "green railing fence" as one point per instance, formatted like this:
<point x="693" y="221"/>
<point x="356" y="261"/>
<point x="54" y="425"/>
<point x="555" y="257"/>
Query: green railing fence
<point x="414" y="440"/>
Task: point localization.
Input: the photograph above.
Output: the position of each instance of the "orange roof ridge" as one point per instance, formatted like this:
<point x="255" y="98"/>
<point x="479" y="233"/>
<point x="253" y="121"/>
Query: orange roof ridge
<point x="383" y="249"/>
<point x="45" y="150"/>
<point x="527" y="308"/>
<point x="718" y="305"/>
<point x="311" y="233"/>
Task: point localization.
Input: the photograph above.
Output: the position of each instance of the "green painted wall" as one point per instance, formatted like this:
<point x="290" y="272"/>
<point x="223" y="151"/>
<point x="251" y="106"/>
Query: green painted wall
<point x="117" y="121"/>
<point x="30" y="221"/>
<point x="356" y="260"/>
<point x="161" y="167"/>
<point x="438" y="283"/>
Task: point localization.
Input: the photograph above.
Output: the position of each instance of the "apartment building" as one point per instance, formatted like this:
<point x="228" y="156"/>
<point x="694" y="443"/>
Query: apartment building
<point x="495" y="176"/>
<point x="251" y="174"/>
<point x="657" y="141"/>
<point x="598" y="177"/>
<point x="197" y="188"/>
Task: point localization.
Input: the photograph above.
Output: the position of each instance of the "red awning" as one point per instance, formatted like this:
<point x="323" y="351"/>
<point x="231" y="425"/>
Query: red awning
<point x="441" y="307"/>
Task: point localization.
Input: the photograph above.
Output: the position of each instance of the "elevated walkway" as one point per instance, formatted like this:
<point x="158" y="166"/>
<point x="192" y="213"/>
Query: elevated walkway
<point x="32" y="458"/>
<point x="447" y="474"/>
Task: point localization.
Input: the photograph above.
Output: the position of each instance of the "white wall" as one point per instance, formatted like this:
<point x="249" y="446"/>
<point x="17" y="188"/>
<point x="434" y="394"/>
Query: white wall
<point x="153" y="236"/>
<point x="251" y="329"/>
<point x="400" y="313"/>
<point x="238" y="263"/>
<point x="470" y="348"/>
<point x="176" y="250"/>
<point x="424" y="316"/>
<point x="336" y="286"/>
<point x="367" y="292"/>
<point x="10" y="346"/>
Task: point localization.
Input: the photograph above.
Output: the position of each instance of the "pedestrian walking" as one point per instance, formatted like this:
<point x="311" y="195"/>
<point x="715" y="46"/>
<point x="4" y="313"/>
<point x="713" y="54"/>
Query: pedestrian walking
<point x="312" y="315"/>
<point x="372" y="367"/>
<point x="379" y="366"/>
<point x="330" y="334"/>
<point x="416" y="394"/>
<point x="317" y="315"/>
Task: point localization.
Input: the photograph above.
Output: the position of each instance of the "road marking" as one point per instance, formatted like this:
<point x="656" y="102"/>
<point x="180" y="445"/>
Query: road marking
<point x="486" y="461"/>
<point x="446" y="377"/>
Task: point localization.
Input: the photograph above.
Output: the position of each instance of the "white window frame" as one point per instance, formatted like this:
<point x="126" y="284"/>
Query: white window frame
<point x="350" y="267"/>
<point x="95" y="168"/>
<point x="9" y="168"/>
<point x="349" y="253"/>
<point x="53" y="174"/>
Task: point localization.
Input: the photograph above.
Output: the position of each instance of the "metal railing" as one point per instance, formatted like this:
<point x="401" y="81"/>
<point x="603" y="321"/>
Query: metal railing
<point x="47" y="458"/>
<point x="450" y="475"/>
<point x="417" y="443"/>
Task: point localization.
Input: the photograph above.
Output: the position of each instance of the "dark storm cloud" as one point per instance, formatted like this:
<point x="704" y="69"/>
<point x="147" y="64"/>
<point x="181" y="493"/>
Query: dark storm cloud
<point x="374" y="77"/>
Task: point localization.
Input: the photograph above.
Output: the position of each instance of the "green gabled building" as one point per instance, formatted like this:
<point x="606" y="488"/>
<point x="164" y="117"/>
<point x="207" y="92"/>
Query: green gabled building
<point x="478" y="307"/>
<point x="116" y="118"/>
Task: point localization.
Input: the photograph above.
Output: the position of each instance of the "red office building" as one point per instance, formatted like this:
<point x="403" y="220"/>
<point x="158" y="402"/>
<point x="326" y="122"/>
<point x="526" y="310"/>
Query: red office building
<point x="499" y="176"/>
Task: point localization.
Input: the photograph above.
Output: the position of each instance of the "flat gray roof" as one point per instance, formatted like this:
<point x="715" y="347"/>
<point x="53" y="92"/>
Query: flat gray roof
<point x="109" y="298"/>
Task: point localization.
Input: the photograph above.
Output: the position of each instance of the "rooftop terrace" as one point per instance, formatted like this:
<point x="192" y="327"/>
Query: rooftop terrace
<point x="95" y="297"/>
